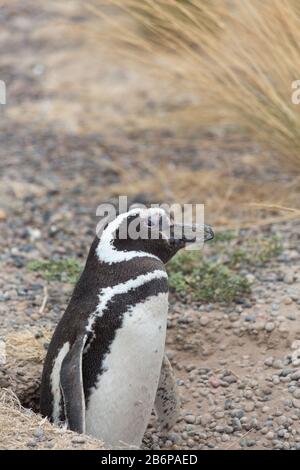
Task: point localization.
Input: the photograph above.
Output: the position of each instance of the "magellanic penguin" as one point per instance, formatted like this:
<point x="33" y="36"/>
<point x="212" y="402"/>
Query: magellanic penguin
<point x="105" y="368"/>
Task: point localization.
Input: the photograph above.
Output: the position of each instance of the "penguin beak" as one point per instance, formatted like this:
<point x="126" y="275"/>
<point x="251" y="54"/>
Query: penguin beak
<point x="182" y="234"/>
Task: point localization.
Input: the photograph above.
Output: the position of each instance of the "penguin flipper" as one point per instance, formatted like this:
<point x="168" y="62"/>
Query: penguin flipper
<point x="167" y="401"/>
<point x="72" y="386"/>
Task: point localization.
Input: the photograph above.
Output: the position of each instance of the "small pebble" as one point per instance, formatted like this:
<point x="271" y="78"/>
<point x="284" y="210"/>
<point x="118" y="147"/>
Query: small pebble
<point x="269" y="326"/>
<point x="204" y="321"/>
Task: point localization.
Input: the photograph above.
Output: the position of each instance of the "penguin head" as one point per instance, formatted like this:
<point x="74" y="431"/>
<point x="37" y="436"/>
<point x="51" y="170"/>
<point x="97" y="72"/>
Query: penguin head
<point x="149" y="231"/>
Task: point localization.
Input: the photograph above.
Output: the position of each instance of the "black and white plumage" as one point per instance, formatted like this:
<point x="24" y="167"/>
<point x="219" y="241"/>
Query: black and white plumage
<point x="105" y="368"/>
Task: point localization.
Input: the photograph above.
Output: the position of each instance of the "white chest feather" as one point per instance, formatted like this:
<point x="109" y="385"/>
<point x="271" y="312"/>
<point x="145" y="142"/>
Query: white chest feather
<point x="120" y="404"/>
<point x="55" y="382"/>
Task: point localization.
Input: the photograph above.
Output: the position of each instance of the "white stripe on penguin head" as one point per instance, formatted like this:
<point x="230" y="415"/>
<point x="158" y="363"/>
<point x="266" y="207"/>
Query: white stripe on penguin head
<point x="107" y="252"/>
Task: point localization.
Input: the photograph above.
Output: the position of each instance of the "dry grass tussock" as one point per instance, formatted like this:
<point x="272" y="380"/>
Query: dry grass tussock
<point x="230" y="202"/>
<point x="22" y="429"/>
<point x="20" y="426"/>
<point x="240" y="58"/>
<point x="27" y="345"/>
<point x="22" y="370"/>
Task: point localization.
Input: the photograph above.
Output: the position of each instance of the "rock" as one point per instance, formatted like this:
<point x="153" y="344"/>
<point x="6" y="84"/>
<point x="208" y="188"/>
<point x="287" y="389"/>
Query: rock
<point x="230" y="379"/>
<point x="277" y="364"/>
<point x="3" y="215"/>
<point x="39" y="433"/>
<point x="236" y="424"/>
<point x="250" y="442"/>
<point x="168" y="443"/>
<point x="269" y="326"/>
<point x="296" y="375"/>
<point x="275" y="307"/>
<point x="269" y="361"/>
<point x="174" y="438"/>
<point x="205" y="419"/>
<point x="214" y="382"/>
<point x="289" y="278"/>
<point x="190" y="419"/>
<point x="190" y="442"/>
<point x="294" y="294"/>
<point x="249" y="406"/>
<point x="204" y="321"/>
<point x="296" y="403"/>
<point x="237" y="414"/>
<point x="248" y="394"/>
<point x="276" y="380"/>
<point x="285" y="372"/>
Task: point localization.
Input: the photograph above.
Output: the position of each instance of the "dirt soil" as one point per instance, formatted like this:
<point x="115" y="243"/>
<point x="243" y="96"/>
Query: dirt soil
<point x="70" y="138"/>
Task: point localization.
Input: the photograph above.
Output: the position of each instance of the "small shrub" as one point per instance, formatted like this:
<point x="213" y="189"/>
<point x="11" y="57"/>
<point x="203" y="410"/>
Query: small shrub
<point x="216" y="277"/>
<point x="209" y="282"/>
<point x="61" y="270"/>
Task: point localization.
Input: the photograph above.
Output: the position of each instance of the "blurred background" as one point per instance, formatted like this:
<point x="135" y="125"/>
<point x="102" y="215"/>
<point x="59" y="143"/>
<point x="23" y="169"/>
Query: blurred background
<point x="163" y="101"/>
<point x="171" y="100"/>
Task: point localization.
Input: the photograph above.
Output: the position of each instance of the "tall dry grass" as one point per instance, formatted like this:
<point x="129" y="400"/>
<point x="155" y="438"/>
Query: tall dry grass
<point x="239" y="57"/>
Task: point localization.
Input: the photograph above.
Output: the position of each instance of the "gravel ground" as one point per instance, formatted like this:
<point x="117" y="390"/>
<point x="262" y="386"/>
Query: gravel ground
<point x="237" y="366"/>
